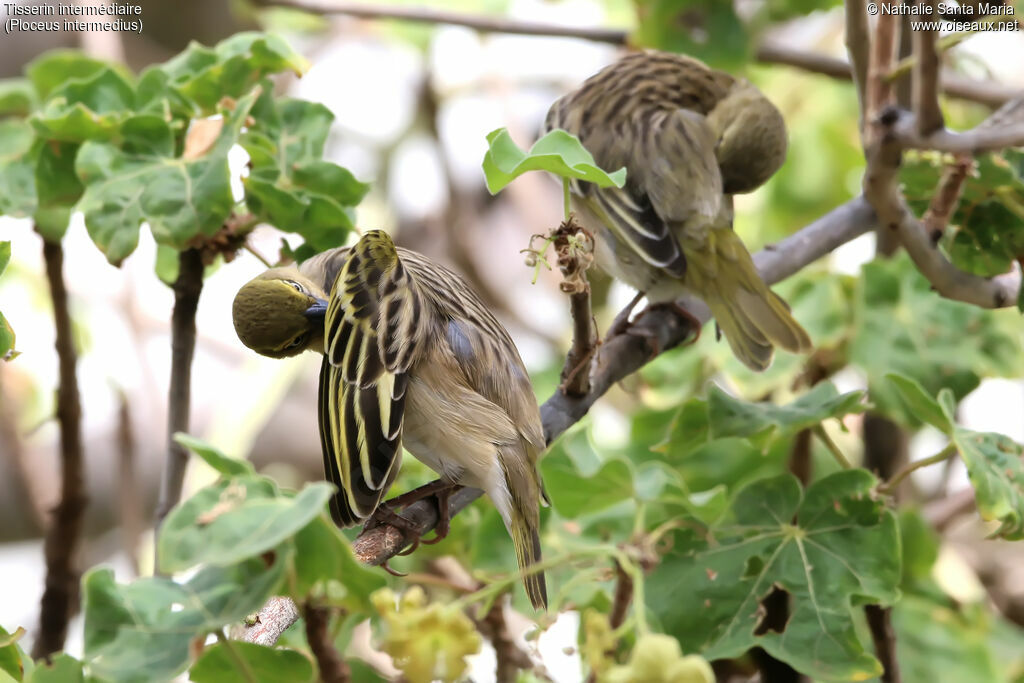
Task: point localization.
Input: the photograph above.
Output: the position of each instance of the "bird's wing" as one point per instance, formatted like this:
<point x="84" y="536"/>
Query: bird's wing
<point x="673" y="180"/>
<point x="371" y="341"/>
<point x="491" y="365"/>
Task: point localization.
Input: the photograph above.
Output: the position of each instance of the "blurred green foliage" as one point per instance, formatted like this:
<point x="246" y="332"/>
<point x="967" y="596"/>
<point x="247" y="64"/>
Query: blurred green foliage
<point x="695" y="501"/>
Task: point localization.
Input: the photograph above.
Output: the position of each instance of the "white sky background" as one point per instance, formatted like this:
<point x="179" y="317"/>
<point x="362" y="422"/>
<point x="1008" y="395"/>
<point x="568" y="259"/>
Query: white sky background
<point x="481" y="80"/>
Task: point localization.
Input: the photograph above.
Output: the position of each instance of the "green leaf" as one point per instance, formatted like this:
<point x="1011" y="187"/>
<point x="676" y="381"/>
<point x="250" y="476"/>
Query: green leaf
<point x="994" y="467"/>
<point x="903" y="327"/>
<point x="142" y="631"/>
<point x="86" y="109"/>
<point x="558" y="152"/>
<point x="831" y="549"/>
<point x="289" y="185"/>
<point x="707" y="29"/>
<point x="17" y="168"/>
<point x="197" y="79"/>
<point x="937" y="642"/>
<point x="234" y="519"/>
<point x="7" y="338"/>
<point x="54" y="68"/>
<point x="923" y="406"/>
<point x="179" y="198"/>
<point x="62" y="668"/>
<point x="213" y="457"/>
<point x="13" y="660"/>
<point x="17" y="97"/>
<point x="322" y="554"/>
<point x="224" y="662"/>
<point x="762" y="422"/>
<point x="579" y="481"/>
<point x="986" y="233"/>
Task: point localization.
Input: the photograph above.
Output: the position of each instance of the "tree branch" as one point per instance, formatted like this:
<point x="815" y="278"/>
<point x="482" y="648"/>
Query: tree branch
<point x="270" y="622"/>
<point x="985" y="92"/>
<point x="881" y="188"/>
<point x="60" y="597"/>
<point x="988" y="93"/>
<point x="187" y="288"/>
<point x="857" y="45"/>
<point x="333" y="668"/>
<point x="925" y="81"/>
<point x="880" y="623"/>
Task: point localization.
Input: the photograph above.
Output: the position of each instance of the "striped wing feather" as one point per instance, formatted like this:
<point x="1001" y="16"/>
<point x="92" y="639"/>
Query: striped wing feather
<point x="370" y="343"/>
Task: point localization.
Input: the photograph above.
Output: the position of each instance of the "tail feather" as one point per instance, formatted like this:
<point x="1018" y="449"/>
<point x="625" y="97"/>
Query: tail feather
<point x="751" y="316"/>
<point x="526" y="539"/>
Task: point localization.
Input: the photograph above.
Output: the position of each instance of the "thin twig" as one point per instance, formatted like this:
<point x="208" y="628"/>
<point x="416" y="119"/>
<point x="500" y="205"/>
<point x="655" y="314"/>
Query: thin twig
<point x="944" y="201"/>
<point x="989" y="93"/>
<point x="187" y="288"/>
<point x="575" y="248"/>
<point x="925" y="81"/>
<point x="333" y="667"/>
<point x="241" y="665"/>
<point x="878" y="89"/>
<point x="946" y="453"/>
<point x="823" y="436"/>
<point x="127" y="486"/>
<point x="857" y="45"/>
<point x="880" y="623"/>
<point x="510" y="659"/>
<point x="60" y="597"/>
<point x="623" y="597"/>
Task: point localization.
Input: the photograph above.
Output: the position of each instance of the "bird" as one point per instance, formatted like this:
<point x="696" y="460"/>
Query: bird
<point x="413" y="358"/>
<point x="690" y="137"/>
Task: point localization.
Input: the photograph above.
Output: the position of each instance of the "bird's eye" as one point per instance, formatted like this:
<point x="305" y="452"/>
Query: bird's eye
<point x="297" y="342"/>
<point x="296" y="285"/>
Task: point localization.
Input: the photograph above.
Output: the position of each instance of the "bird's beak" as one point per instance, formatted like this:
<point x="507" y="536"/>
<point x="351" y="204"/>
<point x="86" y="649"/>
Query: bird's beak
<point x="317" y="311"/>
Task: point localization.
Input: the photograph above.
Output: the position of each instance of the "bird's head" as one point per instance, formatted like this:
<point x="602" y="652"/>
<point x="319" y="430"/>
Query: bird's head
<point x="280" y="313"/>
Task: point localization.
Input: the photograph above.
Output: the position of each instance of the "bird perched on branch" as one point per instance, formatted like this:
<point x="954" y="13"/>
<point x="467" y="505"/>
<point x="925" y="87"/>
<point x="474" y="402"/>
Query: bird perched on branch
<point x="690" y="137"/>
<point x="411" y="356"/>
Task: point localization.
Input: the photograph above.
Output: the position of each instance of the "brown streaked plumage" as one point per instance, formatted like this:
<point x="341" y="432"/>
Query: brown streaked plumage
<point x="690" y="137"/>
<point x="411" y="357"/>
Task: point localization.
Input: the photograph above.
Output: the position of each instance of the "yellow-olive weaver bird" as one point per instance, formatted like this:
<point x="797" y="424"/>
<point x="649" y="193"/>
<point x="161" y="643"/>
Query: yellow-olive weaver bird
<point x="690" y="137"/>
<point x="412" y="357"/>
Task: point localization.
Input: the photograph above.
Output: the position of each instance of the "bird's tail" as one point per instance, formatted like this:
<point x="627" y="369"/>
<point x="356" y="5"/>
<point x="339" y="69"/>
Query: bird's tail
<point x="751" y="316"/>
<point x="521" y="515"/>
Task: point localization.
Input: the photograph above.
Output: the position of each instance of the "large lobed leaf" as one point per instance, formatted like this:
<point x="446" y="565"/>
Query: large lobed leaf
<point x="831" y="549"/>
<point x="179" y="198"/>
<point x="904" y="327"/>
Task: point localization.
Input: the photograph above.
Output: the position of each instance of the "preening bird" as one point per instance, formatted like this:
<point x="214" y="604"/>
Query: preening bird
<point x="690" y="137"/>
<point x="412" y="357"/>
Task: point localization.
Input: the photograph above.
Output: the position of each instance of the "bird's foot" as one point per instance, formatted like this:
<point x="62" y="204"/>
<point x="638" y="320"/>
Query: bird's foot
<point x="623" y="325"/>
<point x="386" y="513"/>
<point x="690" y="318"/>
